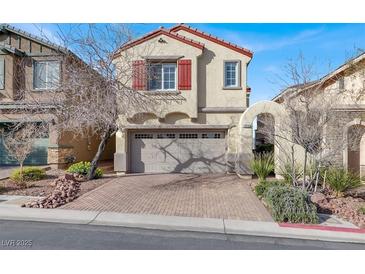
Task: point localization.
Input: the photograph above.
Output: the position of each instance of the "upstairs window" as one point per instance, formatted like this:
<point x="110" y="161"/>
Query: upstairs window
<point x="231" y="74"/>
<point x="2" y="73"/>
<point x="341" y="83"/>
<point x="46" y="74"/>
<point x="162" y="77"/>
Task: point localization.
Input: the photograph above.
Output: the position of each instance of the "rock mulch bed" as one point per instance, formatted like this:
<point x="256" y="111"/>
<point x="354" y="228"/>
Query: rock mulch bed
<point x="66" y="189"/>
<point x="45" y="186"/>
<point x="344" y="207"/>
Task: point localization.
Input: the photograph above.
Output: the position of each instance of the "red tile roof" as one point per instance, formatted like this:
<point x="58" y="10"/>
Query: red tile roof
<point x="213" y="39"/>
<point x="158" y="32"/>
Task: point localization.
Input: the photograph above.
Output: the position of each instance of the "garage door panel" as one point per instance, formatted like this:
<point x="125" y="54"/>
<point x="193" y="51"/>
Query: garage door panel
<point x="188" y="152"/>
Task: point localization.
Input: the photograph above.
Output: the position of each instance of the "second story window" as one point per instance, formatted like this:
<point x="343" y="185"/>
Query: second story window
<point x="162" y="77"/>
<point x="46" y="74"/>
<point x="231" y="74"/>
<point x="2" y="73"/>
<point x="341" y="83"/>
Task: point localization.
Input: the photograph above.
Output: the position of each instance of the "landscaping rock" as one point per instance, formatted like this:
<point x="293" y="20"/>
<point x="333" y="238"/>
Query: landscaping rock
<point x="317" y="197"/>
<point x="343" y="207"/>
<point x="66" y="189"/>
<point x="358" y="192"/>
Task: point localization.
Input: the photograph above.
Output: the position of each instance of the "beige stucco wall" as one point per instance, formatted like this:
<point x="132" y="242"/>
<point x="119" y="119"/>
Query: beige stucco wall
<point x="207" y="92"/>
<point x="211" y="75"/>
<point x="84" y="148"/>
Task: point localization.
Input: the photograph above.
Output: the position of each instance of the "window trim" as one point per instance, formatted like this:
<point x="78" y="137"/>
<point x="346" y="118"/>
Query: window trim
<point x="3" y="87"/>
<point x="162" y="77"/>
<point x="238" y="74"/>
<point x="34" y="75"/>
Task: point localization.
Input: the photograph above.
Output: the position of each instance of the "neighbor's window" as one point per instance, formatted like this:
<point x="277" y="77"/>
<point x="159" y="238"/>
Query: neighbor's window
<point x="231" y="74"/>
<point x="162" y="77"/>
<point x="341" y="83"/>
<point x="2" y="73"/>
<point x="46" y="74"/>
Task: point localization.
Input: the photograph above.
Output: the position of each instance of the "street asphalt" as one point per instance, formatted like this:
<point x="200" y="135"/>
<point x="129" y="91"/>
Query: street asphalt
<point x="24" y="235"/>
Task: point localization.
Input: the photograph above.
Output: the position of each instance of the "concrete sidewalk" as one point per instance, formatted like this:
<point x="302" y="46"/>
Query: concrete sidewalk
<point x="172" y="223"/>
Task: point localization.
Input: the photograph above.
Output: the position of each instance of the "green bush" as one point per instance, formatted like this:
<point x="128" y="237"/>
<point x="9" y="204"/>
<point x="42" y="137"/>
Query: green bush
<point x="262" y="165"/>
<point x="83" y="168"/>
<point x="290" y="204"/>
<point x="287" y="173"/>
<point x="340" y="180"/>
<point x="263" y="186"/>
<point x="28" y="174"/>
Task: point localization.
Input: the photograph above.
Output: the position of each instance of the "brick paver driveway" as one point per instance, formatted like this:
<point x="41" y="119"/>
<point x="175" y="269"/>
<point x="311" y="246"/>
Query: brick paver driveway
<point x="193" y="195"/>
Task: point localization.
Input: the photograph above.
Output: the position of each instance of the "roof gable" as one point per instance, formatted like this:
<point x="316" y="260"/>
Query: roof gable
<point x="213" y="39"/>
<point x="324" y="80"/>
<point x="156" y="33"/>
<point x="9" y="28"/>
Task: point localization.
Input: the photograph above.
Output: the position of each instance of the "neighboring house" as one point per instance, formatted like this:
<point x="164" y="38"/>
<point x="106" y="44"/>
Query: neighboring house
<point x="349" y="80"/>
<point x="204" y="78"/>
<point x="30" y="70"/>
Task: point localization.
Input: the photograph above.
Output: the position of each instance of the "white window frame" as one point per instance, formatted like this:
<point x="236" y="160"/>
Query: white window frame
<point x="162" y="77"/>
<point x="238" y="74"/>
<point x="34" y="75"/>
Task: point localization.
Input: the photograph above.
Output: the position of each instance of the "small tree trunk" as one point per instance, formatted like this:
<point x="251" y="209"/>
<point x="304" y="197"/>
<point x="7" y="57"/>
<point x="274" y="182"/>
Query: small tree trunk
<point x="316" y="183"/>
<point x="101" y="148"/>
<point x="293" y="175"/>
<point x="305" y="169"/>
<point x="21" y="171"/>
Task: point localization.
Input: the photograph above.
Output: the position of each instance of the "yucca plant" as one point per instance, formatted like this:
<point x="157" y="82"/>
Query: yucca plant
<point x="263" y="164"/>
<point x="340" y="180"/>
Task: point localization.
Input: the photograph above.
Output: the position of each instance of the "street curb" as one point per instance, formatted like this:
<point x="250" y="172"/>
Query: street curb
<point x="173" y="223"/>
<point x="11" y="212"/>
<point x="177" y="223"/>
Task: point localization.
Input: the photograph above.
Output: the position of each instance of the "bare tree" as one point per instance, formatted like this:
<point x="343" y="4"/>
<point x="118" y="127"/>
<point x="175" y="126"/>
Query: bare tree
<point x="20" y="138"/>
<point x="94" y="94"/>
<point x="313" y="119"/>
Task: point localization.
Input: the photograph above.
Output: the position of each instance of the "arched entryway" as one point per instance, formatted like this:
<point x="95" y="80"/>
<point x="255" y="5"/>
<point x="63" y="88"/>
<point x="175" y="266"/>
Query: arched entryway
<point x="354" y="147"/>
<point x="281" y="139"/>
<point x="362" y="156"/>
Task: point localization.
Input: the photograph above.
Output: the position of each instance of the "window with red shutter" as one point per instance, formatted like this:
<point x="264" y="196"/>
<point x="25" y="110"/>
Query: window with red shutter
<point x="184" y="79"/>
<point x="139" y="75"/>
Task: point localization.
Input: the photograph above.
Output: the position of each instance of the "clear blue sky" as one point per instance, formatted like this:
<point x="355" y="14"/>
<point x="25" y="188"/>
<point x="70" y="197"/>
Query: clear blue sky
<point x="273" y="45"/>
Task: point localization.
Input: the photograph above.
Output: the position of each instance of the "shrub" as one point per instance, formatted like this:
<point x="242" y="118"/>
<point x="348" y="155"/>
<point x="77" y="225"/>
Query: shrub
<point x="287" y="173"/>
<point x="362" y="210"/>
<point x="28" y="174"/>
<point x="83" y="168"/>
<point x="290" y="204"/>
<point x="263" y="165"/>
<point x="340" y="180"/>
<point x="263" y="186"/>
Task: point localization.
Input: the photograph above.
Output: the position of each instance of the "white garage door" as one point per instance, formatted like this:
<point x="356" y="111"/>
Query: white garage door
<point x="178" y="151"/>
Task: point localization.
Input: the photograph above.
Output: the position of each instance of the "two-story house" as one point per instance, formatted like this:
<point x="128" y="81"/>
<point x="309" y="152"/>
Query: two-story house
<point x="346" y="134"/>
<point x="31" y="68"/>
<point x="203" y="80"/>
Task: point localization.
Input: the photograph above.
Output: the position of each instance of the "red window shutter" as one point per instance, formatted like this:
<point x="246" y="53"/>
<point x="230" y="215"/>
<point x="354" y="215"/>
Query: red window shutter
<point x="184" y="69"/>
<point x="139" y="75"/>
